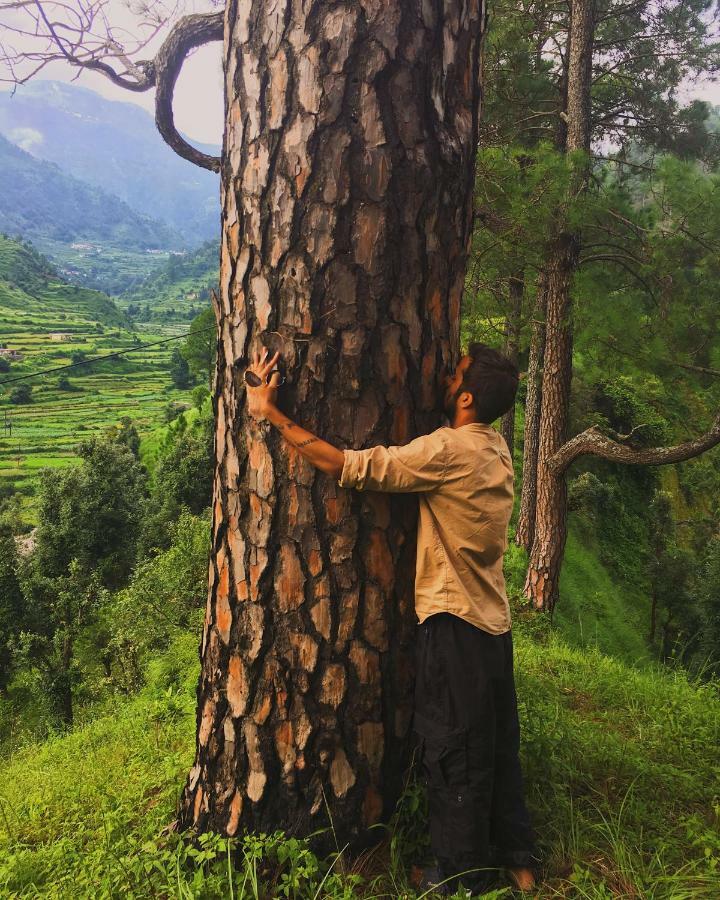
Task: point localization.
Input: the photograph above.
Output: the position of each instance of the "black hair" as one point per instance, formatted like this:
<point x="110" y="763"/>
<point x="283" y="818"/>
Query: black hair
<point x="492" y="379"/>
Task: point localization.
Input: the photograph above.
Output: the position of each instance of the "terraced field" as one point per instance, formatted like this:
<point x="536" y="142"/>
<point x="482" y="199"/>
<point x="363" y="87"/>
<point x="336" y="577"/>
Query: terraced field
<point x="180" y="287"/>
<point x="90" y="398"/>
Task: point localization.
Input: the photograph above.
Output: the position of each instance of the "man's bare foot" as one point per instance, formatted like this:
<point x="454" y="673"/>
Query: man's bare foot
<point x="522" y="878"/>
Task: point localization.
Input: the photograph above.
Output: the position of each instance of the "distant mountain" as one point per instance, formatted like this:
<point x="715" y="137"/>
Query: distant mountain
<point x="39" y="201"/>
<point x="116" y="147"/>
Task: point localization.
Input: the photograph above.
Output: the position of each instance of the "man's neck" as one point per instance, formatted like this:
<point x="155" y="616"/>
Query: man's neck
<point x="463" y="417"/>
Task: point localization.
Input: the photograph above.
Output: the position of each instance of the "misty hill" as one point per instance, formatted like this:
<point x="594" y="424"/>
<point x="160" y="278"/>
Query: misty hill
<point x="40" y="201"/>
<point x="115" y="147"/>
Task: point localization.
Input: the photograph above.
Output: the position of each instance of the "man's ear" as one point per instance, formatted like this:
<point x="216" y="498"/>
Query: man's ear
<point x="465" y="400"/>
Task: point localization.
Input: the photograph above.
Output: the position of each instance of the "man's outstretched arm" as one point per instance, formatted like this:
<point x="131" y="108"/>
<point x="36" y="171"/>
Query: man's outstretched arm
<point x="418" y="466"/>
<point x="262" y="405"/>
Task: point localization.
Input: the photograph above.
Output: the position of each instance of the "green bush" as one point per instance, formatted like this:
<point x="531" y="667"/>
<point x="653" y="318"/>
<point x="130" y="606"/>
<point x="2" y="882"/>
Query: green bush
<point x="163" y="598"/>
<point x="21" y="395"/>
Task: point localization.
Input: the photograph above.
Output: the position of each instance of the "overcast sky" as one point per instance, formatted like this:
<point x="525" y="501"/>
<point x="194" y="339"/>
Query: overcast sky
<point x="198" y="105"/>
<point x="199" y="91"/>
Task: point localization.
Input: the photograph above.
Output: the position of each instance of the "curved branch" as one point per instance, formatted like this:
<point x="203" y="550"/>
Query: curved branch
<point x="161" y="72"/>
<point x="189" y="32"/>
<point x="594" y="442"/>
<point x="624" y="265"/>
<point x="144" y="71"/>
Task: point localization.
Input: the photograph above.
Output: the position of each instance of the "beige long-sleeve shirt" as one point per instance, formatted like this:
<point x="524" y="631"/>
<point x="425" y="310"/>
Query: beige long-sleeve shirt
<point x="464" y="479"/>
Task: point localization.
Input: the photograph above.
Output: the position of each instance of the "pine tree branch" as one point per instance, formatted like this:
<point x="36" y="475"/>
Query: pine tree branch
<point x="189" y="32"/>
<point x="594" y="443"/>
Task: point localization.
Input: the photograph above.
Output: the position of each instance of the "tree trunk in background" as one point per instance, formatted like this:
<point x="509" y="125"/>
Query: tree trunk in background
<point x="347" y="182"/>
<point x="550" y="526"/>
<point x="65" y="678"/>
<point x="653" y="614"/>
<point x="513" y="322"/>
<point x="525" y="530"/>
<point x="542" y="582"/>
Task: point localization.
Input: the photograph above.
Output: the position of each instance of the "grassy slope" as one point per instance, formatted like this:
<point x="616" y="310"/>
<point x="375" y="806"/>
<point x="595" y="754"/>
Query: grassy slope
<point x="34" y="302"/>
<point x="596" y="611"/>
<point x="620" y="765"/>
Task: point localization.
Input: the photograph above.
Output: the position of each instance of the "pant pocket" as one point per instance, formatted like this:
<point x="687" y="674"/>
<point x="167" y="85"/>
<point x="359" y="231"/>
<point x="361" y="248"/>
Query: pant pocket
<point x="458" y="834"/>
<point x="450" y="808"/>
<point x="443" y="752"/>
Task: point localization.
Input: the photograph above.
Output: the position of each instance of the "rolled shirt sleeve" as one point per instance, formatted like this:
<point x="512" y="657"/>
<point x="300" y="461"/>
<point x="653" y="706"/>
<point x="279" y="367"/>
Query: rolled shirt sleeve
<point x="417" y="466"/>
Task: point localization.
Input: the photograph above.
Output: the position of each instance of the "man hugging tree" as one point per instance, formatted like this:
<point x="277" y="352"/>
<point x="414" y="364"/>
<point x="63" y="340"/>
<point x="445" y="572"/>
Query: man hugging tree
<point x="465" y="714"/>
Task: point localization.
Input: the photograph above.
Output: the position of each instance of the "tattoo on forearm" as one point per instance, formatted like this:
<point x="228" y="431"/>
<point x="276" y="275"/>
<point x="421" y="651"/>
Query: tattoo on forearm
<point x="288" y="424"/>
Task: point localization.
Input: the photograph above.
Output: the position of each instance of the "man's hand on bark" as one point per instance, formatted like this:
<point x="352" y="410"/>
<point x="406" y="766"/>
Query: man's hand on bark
<point x="262" y="398"/>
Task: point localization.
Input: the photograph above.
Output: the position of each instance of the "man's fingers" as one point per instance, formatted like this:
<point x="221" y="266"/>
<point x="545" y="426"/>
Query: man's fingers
<point x="261" y="365"/>
<point x="267" y="367"/>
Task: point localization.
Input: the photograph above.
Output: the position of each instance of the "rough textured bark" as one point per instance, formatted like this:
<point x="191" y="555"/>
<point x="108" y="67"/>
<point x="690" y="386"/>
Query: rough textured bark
<point x="551" y="492"/>
<point x="525" y="531"/>
<point x="513" y="322"/>
<point x="347" y="176"/>
<point x="542" y="582"/>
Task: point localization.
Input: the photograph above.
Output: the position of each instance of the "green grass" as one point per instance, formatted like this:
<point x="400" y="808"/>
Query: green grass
<point x="595" y="611"/>
<point x="620" y="765"/>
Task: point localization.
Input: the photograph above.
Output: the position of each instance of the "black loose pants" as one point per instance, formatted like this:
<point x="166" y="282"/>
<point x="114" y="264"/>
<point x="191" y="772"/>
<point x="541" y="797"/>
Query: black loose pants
<point x="467" y="723"/>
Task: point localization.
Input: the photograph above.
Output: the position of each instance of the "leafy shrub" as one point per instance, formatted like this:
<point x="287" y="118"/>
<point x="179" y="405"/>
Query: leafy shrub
<point x="163" y="597"/>
<point x="21" y="395"/>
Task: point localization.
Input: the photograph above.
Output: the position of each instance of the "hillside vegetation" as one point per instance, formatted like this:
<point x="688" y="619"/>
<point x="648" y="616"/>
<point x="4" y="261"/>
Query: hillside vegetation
<point x="178" y="290"/>
<point x="65" y="406"/>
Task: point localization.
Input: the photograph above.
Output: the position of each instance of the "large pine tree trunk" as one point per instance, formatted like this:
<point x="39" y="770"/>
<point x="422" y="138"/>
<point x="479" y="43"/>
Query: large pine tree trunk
<point x="525" y="531"/>
<point x="347" y="183"/>
<point x="548" y="547"/>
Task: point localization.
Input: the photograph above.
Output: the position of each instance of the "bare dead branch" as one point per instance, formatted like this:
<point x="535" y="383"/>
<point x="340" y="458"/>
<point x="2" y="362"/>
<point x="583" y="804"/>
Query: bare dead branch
<point x="81" y="34"/>
<point x="189" y="32"/>
<point x="594" y="443"/>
